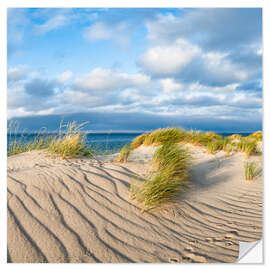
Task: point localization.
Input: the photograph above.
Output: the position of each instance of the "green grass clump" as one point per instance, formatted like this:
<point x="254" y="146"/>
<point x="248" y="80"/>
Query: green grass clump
<point x="164" y="135"/>
<point x="214" y="146"/>
<point x="257" y="136"/>
<point x="251" y="170"/>
<point x="248" y="146"/>
<point x="138" y="141"/>
<point x="124" y="153"/>
<point x="171" y="164"/>
<point x="236" y="137"/>
<point x="70" y="143"/>
<point x="21" y="145"/>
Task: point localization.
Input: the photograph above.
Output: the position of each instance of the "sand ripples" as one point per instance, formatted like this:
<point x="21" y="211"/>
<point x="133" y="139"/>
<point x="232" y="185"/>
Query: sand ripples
<point x="80" y="211"/>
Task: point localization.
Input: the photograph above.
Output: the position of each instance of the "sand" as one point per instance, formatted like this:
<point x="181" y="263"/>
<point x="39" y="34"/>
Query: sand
<point x="80" y="211"/>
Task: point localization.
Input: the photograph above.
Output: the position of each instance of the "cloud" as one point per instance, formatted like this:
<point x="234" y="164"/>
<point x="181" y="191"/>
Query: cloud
<point x="143" y="121"/>
<point x="106" y="79"/>
<point x="17" y="73"/>
<point x="40" y="87"/>
<point x="188" y="63"/>
<point x="169" y="59"/>
<point x="102" y="31"/>
<point x="212" y="28"/>
<point x="64" y="76"/>
<point x="169" y="85"/>
<point x="56" y="22"/>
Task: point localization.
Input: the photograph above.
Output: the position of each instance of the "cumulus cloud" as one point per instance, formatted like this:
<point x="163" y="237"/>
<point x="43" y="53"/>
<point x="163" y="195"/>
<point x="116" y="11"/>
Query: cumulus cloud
<point x="213" y="28"/>
<point x="169" y="85"/>
<point x="17" y="73"/>
<point x="169" y="59"/>
<point x="103" y="31"/>
<point x="186" y="62"/>
<point x="40" y="87"/>
<point x="64" y="76"/>
<point x="107" y="79"/>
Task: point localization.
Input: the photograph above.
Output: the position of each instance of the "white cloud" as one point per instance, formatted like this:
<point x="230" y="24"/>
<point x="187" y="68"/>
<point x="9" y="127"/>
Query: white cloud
<point x="102" y="31"/>
<point x="64" y="76"/>
<point x="169" y="59"/>
<point x="17" y="73"/>
<point x="218" y="66"/>
<point x="53" y="23"/>
<point x="106" y="79"/>
<point x="169" y="85"/>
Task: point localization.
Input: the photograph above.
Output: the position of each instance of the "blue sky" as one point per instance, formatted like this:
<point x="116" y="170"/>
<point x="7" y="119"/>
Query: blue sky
<point x="136" y="69"/>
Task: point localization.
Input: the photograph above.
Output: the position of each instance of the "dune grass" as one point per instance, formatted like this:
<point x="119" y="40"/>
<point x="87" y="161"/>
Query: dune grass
<point x="19" y="144"/>
<point x="171" y="165"/>
<point x="70" y="143"/>
<point x="247" y="146"/>
<point x="161" y="136"/>
<point x="210" y="140"/>
<point x="67" y="143"/>
<point x="138" y="141"/>
<point x="124" y="153"/>
<point x="251" y="170"/>
<point x="257" y="136"/>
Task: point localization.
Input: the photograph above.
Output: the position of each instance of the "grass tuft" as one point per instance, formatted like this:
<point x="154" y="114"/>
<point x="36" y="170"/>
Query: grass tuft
<point x="138" y="141"/>
<point x="248" y="146"/>
<point x="251" y="170"/>
<point x="171" y="164"/>
<point x="164" y="135"/>
<point x="257" y="136"/>
<point x="70" y="143"/>
<point x="124" y="153"/>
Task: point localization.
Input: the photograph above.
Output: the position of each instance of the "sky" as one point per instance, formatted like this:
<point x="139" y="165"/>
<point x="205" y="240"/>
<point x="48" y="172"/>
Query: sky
<point x="135" y="69"/>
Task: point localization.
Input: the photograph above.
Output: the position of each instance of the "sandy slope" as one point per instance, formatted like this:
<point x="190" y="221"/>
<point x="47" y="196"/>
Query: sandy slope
<point x="80" y="211"/>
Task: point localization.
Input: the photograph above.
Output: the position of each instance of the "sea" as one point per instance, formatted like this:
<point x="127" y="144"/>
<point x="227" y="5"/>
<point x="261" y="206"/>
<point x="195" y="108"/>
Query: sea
<point x="101" y="142"/>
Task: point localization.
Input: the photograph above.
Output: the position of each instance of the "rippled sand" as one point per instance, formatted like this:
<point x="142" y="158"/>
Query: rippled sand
<point x="80" y="211"/>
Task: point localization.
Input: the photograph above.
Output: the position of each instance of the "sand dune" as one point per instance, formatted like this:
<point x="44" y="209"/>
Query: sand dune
<point x="80" y="211"/>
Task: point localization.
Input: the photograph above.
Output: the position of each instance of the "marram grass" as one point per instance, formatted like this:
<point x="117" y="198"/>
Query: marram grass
<point x="68" y="143"/>
<point x="124" y="153"/>
<point x="171" y="164"/>
<point x="251" y="170"/>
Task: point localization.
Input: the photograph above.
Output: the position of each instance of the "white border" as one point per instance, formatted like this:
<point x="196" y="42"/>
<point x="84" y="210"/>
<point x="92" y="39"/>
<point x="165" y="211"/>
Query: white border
<point x="131" y="3"/>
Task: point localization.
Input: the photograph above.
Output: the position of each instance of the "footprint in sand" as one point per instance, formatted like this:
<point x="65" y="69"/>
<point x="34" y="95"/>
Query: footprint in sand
<point x="173" y="260"/>
<point x="196" y="258"/>
<point x="231" y="234"/>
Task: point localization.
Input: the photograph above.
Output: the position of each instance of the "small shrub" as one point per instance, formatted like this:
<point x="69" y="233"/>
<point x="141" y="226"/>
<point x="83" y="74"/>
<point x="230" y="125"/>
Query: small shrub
<point x="124" y="153"/>
<point x="251" y="170"/>
<point x="172" y="164"/>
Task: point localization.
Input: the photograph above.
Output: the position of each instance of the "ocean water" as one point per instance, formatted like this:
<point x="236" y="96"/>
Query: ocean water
<point x="101" y="142"/>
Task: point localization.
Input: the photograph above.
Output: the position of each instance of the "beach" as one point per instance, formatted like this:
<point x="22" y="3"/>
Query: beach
<point x="80" y="210"/>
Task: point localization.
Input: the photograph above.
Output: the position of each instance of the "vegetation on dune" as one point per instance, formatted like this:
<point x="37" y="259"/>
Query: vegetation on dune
<point x="171" y="164"/>
<point x="212" y="141"/>
<point x="251" y="170"/>
<point x="67" y="144"/>
<point x="161" y="136"/>
<point x="138" y="141"/>
<point x="213" y="146"/>
<point x="247" y="146"/>
<point x="70" y="143"/>
<point x="124" y="153"/>
<point x="257" y="136"/>
<point x="236" y="137"/>
<point x="20" y="145"/>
